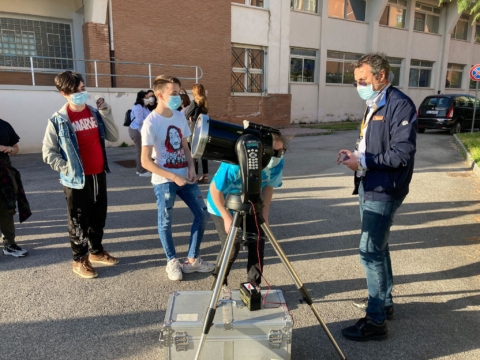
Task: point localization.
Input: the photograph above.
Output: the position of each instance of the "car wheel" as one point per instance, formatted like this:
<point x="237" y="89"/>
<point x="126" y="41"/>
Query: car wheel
<point x="421" y="130"/>
<point x="457" y="128"/>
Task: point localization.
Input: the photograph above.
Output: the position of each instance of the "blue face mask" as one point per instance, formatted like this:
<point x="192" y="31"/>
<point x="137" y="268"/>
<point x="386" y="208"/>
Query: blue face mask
<point x="274" y="161"/>
<point x="80" y="98"/>
<point x="366" y="92"/>
<point x="174" y="102"/>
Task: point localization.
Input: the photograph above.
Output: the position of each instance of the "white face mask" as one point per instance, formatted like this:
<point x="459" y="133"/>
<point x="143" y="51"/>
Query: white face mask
<point x="274" y="161"/>
<point x="145" y="101"/>
<point x="151" y="99"/>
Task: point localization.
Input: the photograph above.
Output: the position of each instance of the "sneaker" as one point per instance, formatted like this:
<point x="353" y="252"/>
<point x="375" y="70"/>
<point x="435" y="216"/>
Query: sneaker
<point x="365" y="329"/>
<point x="145" y="174"/>
<point x="14" y="250"/>
<point x="363" y="303"/>
<point x="103" y="258"/>
<point x="174" y="270"/>
<point x="84" y="268"/>
<point x="198" y="266"/>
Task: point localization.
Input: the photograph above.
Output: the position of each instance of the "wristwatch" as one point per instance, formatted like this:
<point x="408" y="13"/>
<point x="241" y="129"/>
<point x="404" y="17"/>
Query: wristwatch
<point x="359" y="165"/>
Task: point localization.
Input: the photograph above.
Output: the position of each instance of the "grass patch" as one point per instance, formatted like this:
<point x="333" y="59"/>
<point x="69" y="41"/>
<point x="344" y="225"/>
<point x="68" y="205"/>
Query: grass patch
<point x="334" y="126"/>
<point x="472" y="144"/>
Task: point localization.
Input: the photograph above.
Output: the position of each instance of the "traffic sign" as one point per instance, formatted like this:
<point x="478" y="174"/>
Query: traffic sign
<point x="475" y="72"/>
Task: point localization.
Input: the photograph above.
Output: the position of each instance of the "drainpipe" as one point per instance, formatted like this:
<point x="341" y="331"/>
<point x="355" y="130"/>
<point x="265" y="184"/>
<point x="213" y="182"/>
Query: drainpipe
<point x="112" y="47"/>
<point x="442" y="61"/>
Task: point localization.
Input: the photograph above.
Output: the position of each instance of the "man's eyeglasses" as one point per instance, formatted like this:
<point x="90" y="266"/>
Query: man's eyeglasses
<point x="356" y="83"/>
<point x="279" y="153"/>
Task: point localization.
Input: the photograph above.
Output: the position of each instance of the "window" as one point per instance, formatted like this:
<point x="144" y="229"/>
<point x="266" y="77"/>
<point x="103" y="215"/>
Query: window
<point x="304" y="5"/>
<point x="395" y="66"/>
<point x="477" y="33"/>
<point x="394" y="14"/>
<point x="426" y="18"/>
<point x="339" y="67"/>
<point x="257" y="3"/>
<point x="420" y="73"/>
<point x="247" y="70"/>
<point x="21" y="38"/>
<point x="461" y="29"/>
<point x="347" y="9"/>
<point x="302" y="65"/>
<point x="454" y="76"/>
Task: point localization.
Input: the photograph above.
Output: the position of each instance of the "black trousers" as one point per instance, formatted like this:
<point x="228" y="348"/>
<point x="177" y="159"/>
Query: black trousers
<point x="87" y="212"/>
<point x="204" y="166"/>
<point x="255" y="253"/>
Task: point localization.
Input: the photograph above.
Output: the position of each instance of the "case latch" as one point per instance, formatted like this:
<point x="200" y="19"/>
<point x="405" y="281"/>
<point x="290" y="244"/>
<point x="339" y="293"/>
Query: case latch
<point x="181" y="341"/>
<point x="275" y="339"/>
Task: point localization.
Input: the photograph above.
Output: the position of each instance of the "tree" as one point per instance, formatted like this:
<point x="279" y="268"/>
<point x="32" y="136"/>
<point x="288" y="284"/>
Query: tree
<point x="471" y="6"/>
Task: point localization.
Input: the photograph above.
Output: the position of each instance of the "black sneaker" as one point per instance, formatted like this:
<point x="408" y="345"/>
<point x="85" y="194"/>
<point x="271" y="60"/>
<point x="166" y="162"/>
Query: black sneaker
<point x="363" y="303"/>
<point x="14" y="250"/>
<point x="365" y="329"/>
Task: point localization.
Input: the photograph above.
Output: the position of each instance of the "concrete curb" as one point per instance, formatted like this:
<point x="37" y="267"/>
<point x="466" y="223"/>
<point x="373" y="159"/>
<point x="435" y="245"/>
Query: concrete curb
<point x="299" y="132"/>
<point x="473" y="165"/>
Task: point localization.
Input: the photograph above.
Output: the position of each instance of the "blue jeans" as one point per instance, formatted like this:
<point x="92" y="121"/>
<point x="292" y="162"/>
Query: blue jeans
<point x="377" y="218"/>
<point x="191" y="195"/>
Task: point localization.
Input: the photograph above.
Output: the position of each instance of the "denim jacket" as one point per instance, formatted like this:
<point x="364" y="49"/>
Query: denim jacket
<point x="391" y="146"/>
<point x="60" y="146"/>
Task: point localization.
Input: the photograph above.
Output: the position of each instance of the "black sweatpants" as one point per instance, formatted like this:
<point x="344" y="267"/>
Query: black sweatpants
<point x="253" y="268"/>
<point x="87" y="212"/>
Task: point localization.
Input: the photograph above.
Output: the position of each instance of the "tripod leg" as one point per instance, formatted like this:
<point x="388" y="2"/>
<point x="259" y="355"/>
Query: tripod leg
<point x="300" y="286"/>
<point x="232" y="235"/>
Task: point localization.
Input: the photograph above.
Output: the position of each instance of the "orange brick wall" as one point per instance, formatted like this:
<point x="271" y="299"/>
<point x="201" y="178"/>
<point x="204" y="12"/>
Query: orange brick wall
<point x="22" y="78"/>
<point x="96" y="47"/>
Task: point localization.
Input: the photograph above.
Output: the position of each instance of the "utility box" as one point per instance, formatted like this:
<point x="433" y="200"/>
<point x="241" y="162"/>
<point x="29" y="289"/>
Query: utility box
<point x="236" y="334"/>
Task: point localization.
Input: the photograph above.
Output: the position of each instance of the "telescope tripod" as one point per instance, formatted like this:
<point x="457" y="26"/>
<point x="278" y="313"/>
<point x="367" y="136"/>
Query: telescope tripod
<point x="233" y="202"/>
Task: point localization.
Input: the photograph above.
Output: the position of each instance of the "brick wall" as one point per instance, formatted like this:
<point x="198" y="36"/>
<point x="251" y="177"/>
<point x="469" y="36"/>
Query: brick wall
<point x="96" y="47"/>
<point x="173" y="32"/>
<point x="272" y="110"/>
<point x="22" y="78"/>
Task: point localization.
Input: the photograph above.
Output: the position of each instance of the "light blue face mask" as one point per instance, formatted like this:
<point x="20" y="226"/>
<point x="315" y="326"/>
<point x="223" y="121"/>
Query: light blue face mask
<point x="366" y="92"/>
<point x="174" y="102"/>
<point x="79" y="98"/>
<point x="274" y="161"/>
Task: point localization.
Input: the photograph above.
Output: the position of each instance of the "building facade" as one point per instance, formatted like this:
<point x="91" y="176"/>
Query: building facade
<point x="270" y="61"/>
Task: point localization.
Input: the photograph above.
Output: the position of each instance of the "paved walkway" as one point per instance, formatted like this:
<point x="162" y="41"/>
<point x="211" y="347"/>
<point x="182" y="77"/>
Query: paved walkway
<point x="49" y="313"/>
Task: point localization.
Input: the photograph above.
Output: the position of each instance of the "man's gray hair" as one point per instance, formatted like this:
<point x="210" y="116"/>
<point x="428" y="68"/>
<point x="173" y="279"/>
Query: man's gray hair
<point x="377" y="61"/>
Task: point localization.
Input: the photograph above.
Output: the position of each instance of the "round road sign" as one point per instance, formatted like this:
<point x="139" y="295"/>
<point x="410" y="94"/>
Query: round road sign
<point x="475" y="72"/>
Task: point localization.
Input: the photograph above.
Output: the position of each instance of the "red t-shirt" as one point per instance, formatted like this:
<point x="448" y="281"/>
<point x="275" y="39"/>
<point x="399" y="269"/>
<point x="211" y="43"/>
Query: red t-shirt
<point x="88" y="137"/>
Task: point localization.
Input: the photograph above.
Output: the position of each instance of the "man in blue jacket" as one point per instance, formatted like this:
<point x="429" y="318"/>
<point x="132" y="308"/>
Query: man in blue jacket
<point x="383" y="164"/>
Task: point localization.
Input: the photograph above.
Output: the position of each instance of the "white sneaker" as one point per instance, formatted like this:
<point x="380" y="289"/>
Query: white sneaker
<point x="145" y="174"/>
<point x="174" y="270"/>
<point x="198" y="266"/>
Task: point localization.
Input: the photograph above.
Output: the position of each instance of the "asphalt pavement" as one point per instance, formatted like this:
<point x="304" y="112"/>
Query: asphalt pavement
<point x="48" y="312"/>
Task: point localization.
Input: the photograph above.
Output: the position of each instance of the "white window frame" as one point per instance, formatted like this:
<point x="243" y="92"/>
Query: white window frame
<point x="396" y="65"/>
<point x="303" y="57"/>
<point x="344" y="61"/>
<point x="423" y="9"/>
<point x="247" y="71"/>
<point x="345" y="13"/>
<point x="464" y="18"/>
<point x="395" y="3"/>
<point x="249" y="4"/>
<point x="293" y="3"/>
<point x="451" y="67"/>
<point x="421" y="67"/>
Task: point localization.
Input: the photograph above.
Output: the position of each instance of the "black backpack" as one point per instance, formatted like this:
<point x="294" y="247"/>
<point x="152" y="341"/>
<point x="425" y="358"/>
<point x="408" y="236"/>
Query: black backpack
<point x="127" y="121"/>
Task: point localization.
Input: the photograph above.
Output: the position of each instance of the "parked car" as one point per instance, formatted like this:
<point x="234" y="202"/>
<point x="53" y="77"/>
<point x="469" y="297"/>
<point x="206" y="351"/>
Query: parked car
<point x="453" y="112"/>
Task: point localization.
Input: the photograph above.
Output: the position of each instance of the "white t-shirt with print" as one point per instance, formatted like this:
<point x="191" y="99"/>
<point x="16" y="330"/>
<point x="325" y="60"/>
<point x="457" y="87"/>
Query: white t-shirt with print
<point x="165" y="135"/>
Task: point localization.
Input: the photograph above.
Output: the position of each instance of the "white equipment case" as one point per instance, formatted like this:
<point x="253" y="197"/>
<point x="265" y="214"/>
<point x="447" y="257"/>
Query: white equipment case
<point x="236" y="333"/>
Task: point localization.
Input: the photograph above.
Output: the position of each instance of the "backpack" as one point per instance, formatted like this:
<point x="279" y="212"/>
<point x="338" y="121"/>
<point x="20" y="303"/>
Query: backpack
<point x="128" y="120"/>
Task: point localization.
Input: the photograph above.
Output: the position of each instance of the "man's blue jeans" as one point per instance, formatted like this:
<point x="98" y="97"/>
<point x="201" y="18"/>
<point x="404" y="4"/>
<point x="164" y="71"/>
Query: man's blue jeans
<point x="377" y="218"/>
<point x="191" y="195"/>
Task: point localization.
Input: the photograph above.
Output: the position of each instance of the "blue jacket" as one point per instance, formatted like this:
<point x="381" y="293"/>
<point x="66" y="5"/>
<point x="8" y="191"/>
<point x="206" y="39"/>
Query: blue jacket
<point x="60" y="147"/>
<point x="390" y="148"/>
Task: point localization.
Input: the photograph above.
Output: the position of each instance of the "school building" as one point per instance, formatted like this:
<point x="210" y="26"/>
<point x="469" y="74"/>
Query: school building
<point x="276" y="62"/>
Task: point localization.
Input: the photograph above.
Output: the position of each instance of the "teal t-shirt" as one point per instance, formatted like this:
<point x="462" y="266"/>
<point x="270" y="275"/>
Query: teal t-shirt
<point x="228" y="181"/>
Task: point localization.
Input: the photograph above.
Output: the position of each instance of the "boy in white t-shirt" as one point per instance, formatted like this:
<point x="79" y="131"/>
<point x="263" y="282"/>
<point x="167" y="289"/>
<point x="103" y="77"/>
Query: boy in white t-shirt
<point x="164" y="137"/>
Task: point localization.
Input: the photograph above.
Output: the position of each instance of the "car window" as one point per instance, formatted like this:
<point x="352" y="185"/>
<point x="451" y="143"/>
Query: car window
<point x="461" y="101"/>
<point x="437" y="101"/>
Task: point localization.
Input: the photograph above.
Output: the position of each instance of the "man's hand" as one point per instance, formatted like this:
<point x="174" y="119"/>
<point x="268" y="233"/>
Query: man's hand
<point x="181" y="180"/>
<point x="227" y="223"/>
<point x="348" y="158"/>
<point x="191" y="175"/>
<point x="100" y="103"/>
<point x="6" y="149"/>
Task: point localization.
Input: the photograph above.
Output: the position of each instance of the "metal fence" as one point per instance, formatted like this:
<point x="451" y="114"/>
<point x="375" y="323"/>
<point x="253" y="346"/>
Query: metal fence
<point x="92" y="65"/>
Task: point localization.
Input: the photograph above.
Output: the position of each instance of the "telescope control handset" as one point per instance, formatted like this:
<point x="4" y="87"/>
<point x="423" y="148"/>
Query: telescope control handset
<point x="249" y="153"/>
